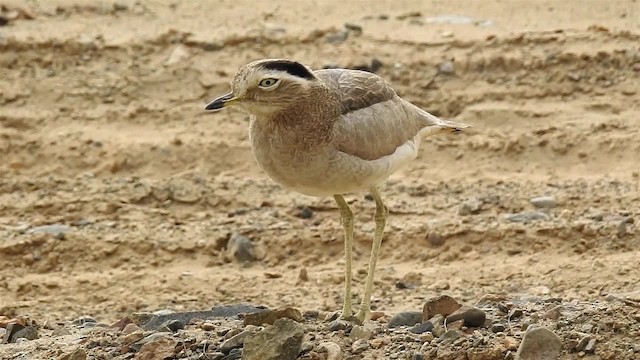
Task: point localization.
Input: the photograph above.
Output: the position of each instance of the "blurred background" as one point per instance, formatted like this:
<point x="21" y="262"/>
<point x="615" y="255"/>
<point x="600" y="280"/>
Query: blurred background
<point x="119" y="194"/>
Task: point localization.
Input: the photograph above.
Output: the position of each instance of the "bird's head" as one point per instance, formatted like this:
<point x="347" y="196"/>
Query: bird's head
<point x="266" y="87"/>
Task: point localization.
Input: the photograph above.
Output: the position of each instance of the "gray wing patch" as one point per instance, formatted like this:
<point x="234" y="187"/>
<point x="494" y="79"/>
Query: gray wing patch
<point x="357" y="89"/>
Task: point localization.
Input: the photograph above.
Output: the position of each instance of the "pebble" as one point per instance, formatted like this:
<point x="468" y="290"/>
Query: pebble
<point x="236" y="341"/>
<point x="515" y="313"/>
<point x="159" y="346"/>
<point x="539" y="343"/>
<point x="305" y="213"/>
<point x="207" y="326"/>
<point x="435" y="239"/>
<point x="270" y="316"/>
<point x="526" y="216"/>
<point x="131" y="337"/>
<point x="444" y="305"/>
<point x="56" y="230"/>
<point x="78" y="354"/>
<point x="333" y="350"/>
<point x="17" y="331"/>
<point x="438" y="324"/>
<point x="281" y="341"/>
<point x="553" y="313"/>
<point x="405" y="318"/>
<point x="359" y="346"/>
<point x="172" y="325"/>
<point x="130" y="328"/>
<point x="496" y="328"/>
<point x="450" y="336"/>
<point x="446" y="67"/>
<point x="472" y="316"/>
<point x="84" y="320"/>
<point x="410" y="280"/>
<point x="469" y="207"/>
<point x="337" y="325"/>
<point x="422" y="328"/>
<point x="240" y="248"/>
<point x="543" y="202"/>
<point x="358" y="332"/>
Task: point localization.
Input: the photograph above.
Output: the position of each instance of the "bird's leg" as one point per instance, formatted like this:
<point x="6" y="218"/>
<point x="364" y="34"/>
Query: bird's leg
<point x="380" y="218"/>
<point x="347" y="222"/>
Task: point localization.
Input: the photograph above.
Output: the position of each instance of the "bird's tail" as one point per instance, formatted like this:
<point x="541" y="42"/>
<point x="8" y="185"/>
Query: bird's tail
<point x="435" y="125"/>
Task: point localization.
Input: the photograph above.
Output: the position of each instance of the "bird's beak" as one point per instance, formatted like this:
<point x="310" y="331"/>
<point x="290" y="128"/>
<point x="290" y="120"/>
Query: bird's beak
<point x="221" y="102"/>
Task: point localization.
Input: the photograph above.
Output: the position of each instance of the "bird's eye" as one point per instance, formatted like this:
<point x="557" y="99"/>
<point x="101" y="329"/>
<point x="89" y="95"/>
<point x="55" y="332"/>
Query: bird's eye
<point x="265" y="83"/>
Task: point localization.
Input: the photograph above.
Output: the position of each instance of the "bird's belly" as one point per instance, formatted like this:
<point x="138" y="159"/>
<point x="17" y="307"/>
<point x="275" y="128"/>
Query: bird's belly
<point x="319" y="172"/>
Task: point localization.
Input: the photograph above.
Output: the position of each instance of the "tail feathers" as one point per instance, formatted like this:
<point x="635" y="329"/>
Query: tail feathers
<point x="453" y="126"/>
<point x="435" y="125"/>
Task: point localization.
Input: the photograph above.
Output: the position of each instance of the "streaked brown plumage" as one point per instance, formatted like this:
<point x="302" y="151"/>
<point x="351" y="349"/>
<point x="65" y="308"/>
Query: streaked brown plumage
<point x="330" y="132"/>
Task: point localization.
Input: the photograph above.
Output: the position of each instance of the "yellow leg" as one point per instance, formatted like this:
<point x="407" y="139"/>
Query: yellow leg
<point x="380" y="219"/>
<point x="347" y="222"/>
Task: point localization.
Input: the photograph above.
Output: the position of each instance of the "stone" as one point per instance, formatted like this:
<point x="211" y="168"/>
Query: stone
<point x="444" y="305"/>
<point x="543" y="202"/>
<point x="472" y="316"/>
<point x="358" y="332"/>
<point x="438" y="324"/>
<point x="236" y="341"/>
<point x="339" y="324"/>
<point x="17" y="331"/>
<point x="131" y="328"/>
<point x="270" y="316"/>
<point x="450" y="336"/>
<point x="333" y="350"/>
<point x="421" y="328"/>
<point x="470" y="207"/>
<point x="154" y="322"/>
<point x="496" y="328"/>
<point x="527" y="216"/>
<point x="515" y="313"/>
<point x="539" y="343"/>
<point x="586" y="344"/>
<point x="554" y="313"/>
<point x="240" y="248"/>
<point x="446" y="67"/>
<point x="405" y="318"/>
<point x="78" y="354"/>
<point x="410" y="280"/>
<point x="56" y="230"/>
<point x="359" y="346"/>
<point x="435" y="239"/>
<point x="172" y="325"/>
<point x="207" y="326"/>
<point x="84" y="320"/>
<point x="304" y="213"/>
<point x="131" y="337"/>
<point x="158" y="347"/>
<point x="281" y="341"/>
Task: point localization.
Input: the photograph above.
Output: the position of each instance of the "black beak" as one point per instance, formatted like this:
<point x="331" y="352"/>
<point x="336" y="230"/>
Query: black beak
<point x="220" y="102"/>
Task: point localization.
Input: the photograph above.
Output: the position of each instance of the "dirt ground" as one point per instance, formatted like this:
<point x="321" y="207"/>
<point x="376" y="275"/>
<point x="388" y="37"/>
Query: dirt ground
<point x="103" y="134"/>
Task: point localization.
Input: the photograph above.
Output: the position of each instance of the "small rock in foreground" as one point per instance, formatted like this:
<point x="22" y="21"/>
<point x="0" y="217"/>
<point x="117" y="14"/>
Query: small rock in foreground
<point x="281" y="341"/>
<point x="444" y="305"/>
<point x="270" y="316"/>
<point x="539" y="343"/>
<point x="405" y="318"/>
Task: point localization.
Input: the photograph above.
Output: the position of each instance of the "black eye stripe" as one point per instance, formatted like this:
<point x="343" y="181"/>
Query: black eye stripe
<point x="290" y="67"/>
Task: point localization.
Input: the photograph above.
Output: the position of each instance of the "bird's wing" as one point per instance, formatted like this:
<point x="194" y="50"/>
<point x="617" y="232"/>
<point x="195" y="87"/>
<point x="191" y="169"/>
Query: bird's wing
<point x="373" y="122"/>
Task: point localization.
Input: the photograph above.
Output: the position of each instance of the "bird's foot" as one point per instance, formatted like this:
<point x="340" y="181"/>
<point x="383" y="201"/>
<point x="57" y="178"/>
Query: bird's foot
<point x="361" y="316"/>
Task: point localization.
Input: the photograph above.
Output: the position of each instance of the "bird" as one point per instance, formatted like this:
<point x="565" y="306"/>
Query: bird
<point x="331" y="132"/>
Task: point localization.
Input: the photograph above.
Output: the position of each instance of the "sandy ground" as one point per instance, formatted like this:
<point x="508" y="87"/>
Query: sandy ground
<point x="102" y="133"/>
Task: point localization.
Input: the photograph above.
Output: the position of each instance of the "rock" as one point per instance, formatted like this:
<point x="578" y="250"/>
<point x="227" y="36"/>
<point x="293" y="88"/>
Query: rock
<point x="450" y="335"/>
<point x="422" y="328"/>
<point x="405" y="318"/>
<point x="130" y="338"/>
<point x="56" y="230"/>
<point x="472" y="316"/>
<point x="240" y="248"/>
<point x="304" y="213"/>
<point x="543" y="202"/>
<point x="236" y="341"/>
<point x="554" y="313"/>
<point x="358" y="332"/>
<point x="131" y="328"/>
<point x="435" y="239"/>
<point x="172" y="325"/>
<point x="526" y="216"/>
<point x="410" y="280"/>
<point x="270" y="316"/>
<point x="160" y="347"/>
<point x="359" y="346"/>
<point x="469" y="207"/>
<point x="444" y="305"/>
<point x="235" y="354"/>
<point x="303" y="275"/>
<point x="337" y="325"/>
<point x="446" y="67"/>
<point x="84" y="320"/>
<point x="179" y="54"/>
<point x="496" y="328"/>
<point x="154" y="322"/>
<point x="281" y="341"/>
<point x="438" y="324"/>
<point x="207" y="326"/>
<point x="78" y="354"/>
<point x="515" y="313"/>
<point x="586" y="344"/>
<point x="353" y="27"/>
<point x="539" y="343"/>
<point x="17" y="331"/>
<point x="333" y="350"/>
